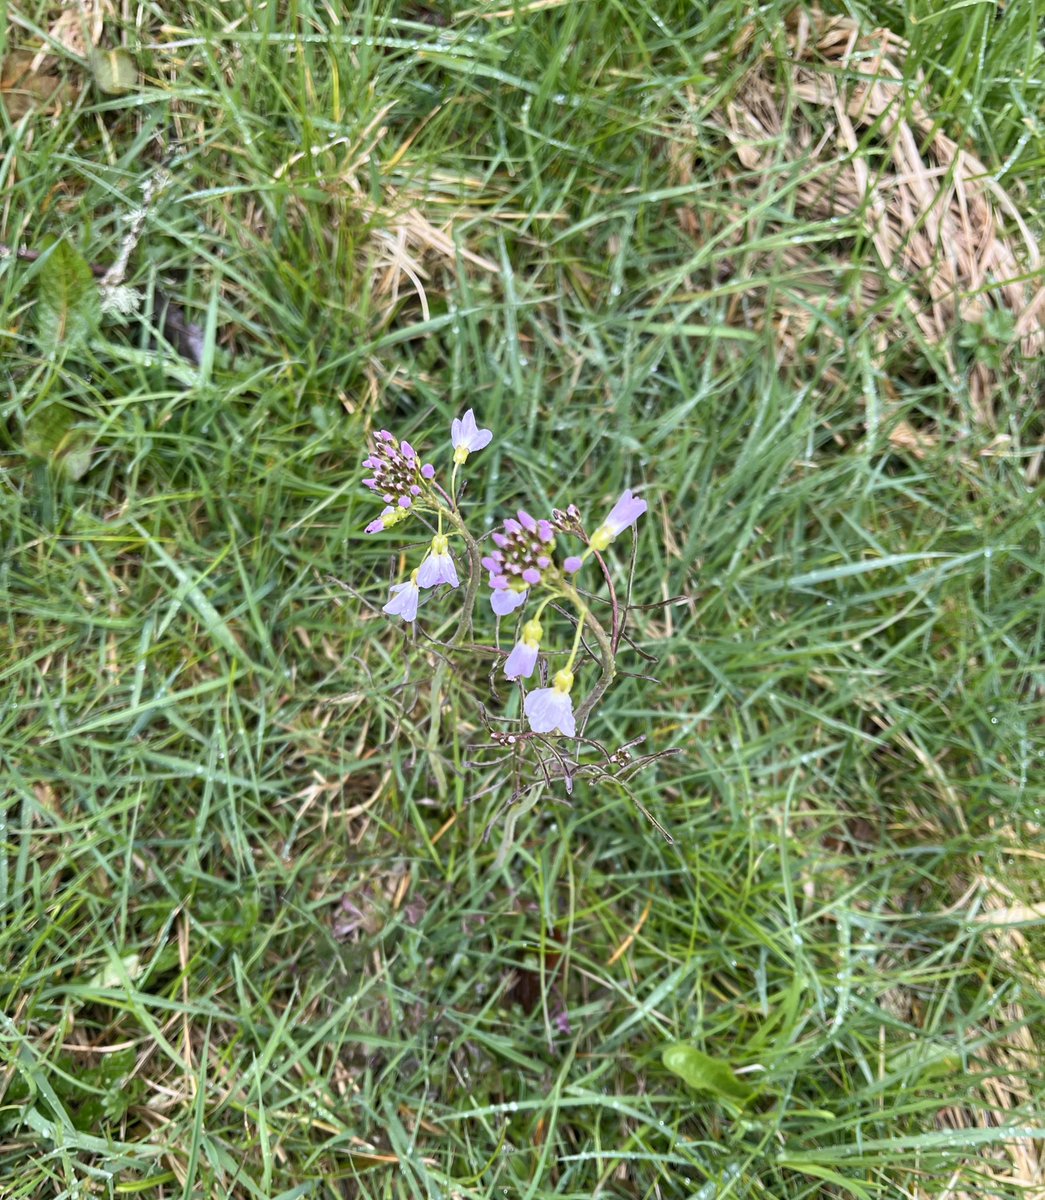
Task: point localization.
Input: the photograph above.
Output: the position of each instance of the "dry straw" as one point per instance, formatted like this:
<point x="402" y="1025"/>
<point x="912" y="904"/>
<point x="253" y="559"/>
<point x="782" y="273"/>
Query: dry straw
<point x="948" y="239"/>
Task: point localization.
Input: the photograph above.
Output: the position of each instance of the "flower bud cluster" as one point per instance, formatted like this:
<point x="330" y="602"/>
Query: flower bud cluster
<point x="523" y="553"/>
<point x="399" y="478"/>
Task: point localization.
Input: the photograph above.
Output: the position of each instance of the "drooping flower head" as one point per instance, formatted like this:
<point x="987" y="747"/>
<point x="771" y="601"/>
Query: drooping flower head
<point x="438" y="567"/>
<point x="523" y="657"/>
<point x="624" y="513"/>
<point x="399" y="478"/>
<point x="467" y="436"/>
<point x="402" y="602"/>
<point x="550" y="710"/>
<point x="523" y="552"/>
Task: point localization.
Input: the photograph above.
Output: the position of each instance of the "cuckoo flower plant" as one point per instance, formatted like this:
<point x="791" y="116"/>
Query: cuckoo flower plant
<point x="519" y="562"/>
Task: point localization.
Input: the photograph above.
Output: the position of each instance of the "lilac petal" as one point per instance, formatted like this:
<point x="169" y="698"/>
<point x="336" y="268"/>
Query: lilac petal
<point x="499" y="582"/>
<point x="545" y="531"/>
<point x="550" y="711"/>
<point x="500" y="540"/>
<point x="403" y="601"/>
<point x="428" y="471"/>
<point x="573" y="564"/>
<point x="407" y="449"/>
<point x="532" y="576"/>
<point x="521" y="661"/>
<point x="528" y="523"/>
<point x="465" y="433"/>
<point x="513" y="526"/>
<point x="405" y="501"/>
<point x="625" y="512"/>
<point x="379" y="524"/>
<point x="371" y="484"/>
<point x="437" y="569"/>
<point x="507" y="600"/>
<point x="493" y="565"/>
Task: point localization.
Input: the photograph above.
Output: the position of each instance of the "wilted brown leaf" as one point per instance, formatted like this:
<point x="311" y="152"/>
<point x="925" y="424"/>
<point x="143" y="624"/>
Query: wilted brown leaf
<point x="29" y="81"/>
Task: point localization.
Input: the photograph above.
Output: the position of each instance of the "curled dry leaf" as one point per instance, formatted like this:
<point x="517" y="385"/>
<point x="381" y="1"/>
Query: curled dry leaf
<point x="32" y="81"/>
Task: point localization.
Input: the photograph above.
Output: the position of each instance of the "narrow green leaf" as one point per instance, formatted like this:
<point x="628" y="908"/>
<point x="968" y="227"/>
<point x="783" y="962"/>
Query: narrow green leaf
<point x="817" y="1171"/>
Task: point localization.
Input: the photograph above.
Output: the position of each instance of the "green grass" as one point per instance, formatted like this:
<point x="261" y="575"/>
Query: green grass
<point x="255" y="940"/>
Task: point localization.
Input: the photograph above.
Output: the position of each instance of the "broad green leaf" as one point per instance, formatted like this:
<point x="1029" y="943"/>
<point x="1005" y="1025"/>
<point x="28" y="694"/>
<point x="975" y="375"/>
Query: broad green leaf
<point x="706" y="1074"/>
<point x="67" y="307"/>
<point x="114" y="71"/>
<point x="50" y="434"/>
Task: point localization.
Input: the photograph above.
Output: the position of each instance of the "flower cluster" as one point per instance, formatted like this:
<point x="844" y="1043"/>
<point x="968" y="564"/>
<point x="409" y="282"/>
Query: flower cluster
<point x="520" y="564"/>
<point x="399" y="478"/>
<point x="521" y="556"/>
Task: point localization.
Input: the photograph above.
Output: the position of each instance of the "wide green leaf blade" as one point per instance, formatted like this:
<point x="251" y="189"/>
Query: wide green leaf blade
<point x="67" y="306"/>
<point x="706" y="1074"/>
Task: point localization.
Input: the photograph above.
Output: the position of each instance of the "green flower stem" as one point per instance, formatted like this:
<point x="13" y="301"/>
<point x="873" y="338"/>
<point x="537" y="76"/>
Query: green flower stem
<point x="475" y="570"/>
<point x="586" y="617"/>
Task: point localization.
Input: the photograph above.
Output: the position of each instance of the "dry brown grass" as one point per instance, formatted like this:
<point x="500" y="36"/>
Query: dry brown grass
<point x="950" y="243"/>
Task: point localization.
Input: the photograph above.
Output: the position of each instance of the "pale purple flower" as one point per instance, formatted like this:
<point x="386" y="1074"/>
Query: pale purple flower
<point x="387" y="519"/>
<point x="523" y="657"/>
<point x="438" y="567"/>
<point x="507" y="600"/>
<point x="572" y="564"/>
<point x="467" y="436"/>
<point x="624" y="513"/>
<point x="402" y="601"/>
<point x="550" y="710"/>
